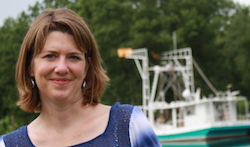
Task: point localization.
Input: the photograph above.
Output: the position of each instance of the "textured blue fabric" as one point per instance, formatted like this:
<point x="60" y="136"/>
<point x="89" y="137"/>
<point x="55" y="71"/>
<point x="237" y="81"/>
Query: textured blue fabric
<point x="116" y="134"/>
<point x="18" y="138"/>
<point x="1" y="141"/>
<point x="140" y="131"/>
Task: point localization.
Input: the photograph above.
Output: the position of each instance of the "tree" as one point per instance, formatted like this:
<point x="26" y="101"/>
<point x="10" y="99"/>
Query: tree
<point x="236" y="50"/>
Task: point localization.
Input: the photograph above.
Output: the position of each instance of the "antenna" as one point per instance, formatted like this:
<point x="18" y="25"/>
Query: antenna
<point x="174" y="40"/>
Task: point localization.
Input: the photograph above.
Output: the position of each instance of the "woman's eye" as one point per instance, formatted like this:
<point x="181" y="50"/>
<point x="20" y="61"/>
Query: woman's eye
<point x="74" y="57"/>
<point x="50" y="56"/>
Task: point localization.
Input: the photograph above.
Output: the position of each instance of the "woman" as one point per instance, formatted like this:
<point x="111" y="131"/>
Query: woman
<point x="59" y="75"/>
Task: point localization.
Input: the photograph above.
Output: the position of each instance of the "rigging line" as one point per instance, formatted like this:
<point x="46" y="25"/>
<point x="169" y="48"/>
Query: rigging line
<point x="170" y="82"/>
<point x="204" y="77"/>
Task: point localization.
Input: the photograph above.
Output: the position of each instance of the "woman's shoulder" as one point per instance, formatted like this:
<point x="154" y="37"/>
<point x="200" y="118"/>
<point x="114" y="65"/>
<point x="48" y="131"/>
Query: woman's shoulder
<point x="134" y="121"/>
<point x="122" y="111"/>
<point x="131" y="112"/>
<point x="14" y="134"/>
<point x="118" y="105"/>
<point x="16" y="137"/>
<point x="140" y="130"/>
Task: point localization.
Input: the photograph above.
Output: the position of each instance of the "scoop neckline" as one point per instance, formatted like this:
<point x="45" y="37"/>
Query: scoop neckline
<point x="106" y="130"/>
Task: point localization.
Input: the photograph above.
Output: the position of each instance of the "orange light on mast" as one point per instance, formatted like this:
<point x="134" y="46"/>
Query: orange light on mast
<point x="124" y="52"/>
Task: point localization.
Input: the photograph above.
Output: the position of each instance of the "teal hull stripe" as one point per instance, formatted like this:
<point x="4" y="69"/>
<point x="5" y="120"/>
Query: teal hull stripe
<point x="211" y="132"/>
<point x="232" y="142"/>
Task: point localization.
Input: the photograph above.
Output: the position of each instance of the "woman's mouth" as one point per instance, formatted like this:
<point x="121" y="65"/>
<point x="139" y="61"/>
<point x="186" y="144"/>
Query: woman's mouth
<point x="61" y="81"/>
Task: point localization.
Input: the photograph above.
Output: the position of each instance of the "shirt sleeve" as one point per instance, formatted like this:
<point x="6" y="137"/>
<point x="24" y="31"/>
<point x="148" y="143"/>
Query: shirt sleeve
<point x="140" y="131"/>
<point x="2" y="144"/>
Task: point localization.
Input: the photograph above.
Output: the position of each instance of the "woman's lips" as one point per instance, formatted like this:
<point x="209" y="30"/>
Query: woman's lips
<point x="61" y="81"/>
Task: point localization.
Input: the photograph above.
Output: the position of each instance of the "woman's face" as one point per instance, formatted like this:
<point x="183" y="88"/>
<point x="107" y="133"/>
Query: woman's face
<point x="59" y="70"/>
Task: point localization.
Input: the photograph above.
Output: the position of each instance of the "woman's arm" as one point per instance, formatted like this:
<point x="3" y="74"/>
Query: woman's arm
<point x="140" y="131"/>
<point x="2" y="142"/>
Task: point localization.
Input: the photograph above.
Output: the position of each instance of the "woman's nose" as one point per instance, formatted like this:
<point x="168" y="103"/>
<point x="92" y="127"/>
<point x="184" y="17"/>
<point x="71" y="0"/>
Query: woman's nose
<point x="61" y="66"/>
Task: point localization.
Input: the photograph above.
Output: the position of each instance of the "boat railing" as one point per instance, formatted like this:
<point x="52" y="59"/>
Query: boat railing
<point x="219" y="111"/>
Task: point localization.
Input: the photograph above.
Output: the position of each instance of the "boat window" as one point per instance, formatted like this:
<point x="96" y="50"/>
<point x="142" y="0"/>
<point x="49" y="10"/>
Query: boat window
<point x="190" y="110"/>
<point x="162" y="116"/>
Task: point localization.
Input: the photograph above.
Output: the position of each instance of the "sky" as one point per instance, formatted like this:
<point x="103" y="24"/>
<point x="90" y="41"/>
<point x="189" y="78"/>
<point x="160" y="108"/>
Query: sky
<point x="243" y="2"/>
<point x="12" y="8"/>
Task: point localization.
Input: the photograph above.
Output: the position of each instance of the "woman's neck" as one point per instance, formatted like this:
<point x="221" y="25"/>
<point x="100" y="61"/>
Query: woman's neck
<point x="69" y="125"/>
<point x="63" y="115"/>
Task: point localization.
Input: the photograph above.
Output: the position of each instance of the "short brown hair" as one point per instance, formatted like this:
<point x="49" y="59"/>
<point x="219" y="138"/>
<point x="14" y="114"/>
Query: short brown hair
<point x="67" y="21"/>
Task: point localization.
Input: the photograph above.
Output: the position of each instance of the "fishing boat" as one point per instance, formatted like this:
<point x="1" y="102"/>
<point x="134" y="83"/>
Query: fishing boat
<point x="220" y="119"/>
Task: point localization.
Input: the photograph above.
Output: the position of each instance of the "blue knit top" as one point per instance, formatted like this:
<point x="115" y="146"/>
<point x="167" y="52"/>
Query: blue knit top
<point x="127" y="127"/>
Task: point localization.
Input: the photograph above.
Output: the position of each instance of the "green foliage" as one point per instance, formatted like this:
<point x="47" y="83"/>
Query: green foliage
<point x="11" y="36"/>
<point x="236" y="52"/>
<point x="6" y="125"/>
